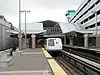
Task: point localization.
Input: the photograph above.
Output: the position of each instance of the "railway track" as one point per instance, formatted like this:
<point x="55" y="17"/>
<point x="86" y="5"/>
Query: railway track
<point x="68" y="68"/>
<point x="85" y="53"/>
<point x="87" y="67"/>
<point x="76" y="65"/>
<point x="91" y="57"/>
<point x="82" y="62"/>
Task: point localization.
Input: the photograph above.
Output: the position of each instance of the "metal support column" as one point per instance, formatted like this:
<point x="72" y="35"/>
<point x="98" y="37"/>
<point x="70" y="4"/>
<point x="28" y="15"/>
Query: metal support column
<point x="71" y="40"/>
<point x="20" y="26"/>
<point x="85" y="40"/>
<point x="25" y="30"/>
<point x="25" y="11"/>
<point x="64" y="39"/>
<point x="96" y="29"/>
<point x="33" y="40"/>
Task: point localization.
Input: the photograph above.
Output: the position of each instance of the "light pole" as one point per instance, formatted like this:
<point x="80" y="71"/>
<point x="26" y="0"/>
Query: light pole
<point x="25" y="11"/>
<point x="95" y="12"/>
<point x="19" y="25"/>
<point x="96" y="28"/>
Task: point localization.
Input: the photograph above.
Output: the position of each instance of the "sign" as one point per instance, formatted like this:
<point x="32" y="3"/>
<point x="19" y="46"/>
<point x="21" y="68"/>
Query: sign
<point x="70" y="13"/>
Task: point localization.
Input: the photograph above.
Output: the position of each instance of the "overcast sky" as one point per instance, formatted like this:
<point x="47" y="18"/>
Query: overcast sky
<point x="40" y="9"/>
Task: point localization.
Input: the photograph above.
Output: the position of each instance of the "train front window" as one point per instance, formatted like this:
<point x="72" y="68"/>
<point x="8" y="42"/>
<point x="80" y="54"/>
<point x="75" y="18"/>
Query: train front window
<point x="51" y="42"/>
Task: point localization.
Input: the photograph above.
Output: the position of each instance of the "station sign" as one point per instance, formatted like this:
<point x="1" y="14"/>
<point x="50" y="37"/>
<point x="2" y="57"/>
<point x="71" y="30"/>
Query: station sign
<point x="70" y="13"/>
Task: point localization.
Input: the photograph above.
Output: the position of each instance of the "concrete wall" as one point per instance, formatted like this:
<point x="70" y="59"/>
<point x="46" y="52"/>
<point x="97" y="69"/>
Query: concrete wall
<point x="5" y="40"/>
<point x="1" y="38"/>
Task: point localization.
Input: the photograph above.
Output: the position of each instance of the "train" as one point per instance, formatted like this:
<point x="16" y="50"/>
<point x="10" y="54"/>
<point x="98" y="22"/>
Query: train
<point x="53" y="44"/>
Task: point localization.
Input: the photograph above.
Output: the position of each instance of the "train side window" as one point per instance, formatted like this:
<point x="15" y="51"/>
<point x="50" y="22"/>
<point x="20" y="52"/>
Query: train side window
<point x="51" y="42"/>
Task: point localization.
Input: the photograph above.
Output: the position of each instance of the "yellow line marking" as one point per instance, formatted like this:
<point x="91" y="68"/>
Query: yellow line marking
<point x="57" y="70"/>
<point x="47" y="55"/>
<point x="43" y="49"/>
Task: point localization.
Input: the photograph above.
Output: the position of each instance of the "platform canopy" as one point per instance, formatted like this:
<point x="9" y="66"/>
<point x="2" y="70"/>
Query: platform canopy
<point x="35" y="31"/>
<point x="33" y="28"/>
<point x="13" y="31"/>
<point x="69" y="28"/>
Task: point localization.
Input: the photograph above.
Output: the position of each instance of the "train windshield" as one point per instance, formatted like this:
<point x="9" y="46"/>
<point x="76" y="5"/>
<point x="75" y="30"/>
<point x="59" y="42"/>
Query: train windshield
<point x="51" y="42"/>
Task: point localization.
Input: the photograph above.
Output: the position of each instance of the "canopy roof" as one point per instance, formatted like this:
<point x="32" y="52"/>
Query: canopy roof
<point x="68" y="28"/>
<point x="31" y="28"/>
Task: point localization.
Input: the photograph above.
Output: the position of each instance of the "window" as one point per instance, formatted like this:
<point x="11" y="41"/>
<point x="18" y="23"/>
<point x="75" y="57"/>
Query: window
<point x="80" y="16"/>
<point x="86" y="27"/>
<point x="80" y="9"/>
<point x="87" y="10"/>
<point x="88" y="1"/>
<point x="91" y="7"/>
<point x="92" y="16"/>
<point x="98" y="12"/>
<point x="97" y="2"/>
<point x="86" y="20"/>
<point x="98" y="24"/>
<point x="51" y="42"/>
<point x="92" y="26"/>
<point x="82" y="22"/>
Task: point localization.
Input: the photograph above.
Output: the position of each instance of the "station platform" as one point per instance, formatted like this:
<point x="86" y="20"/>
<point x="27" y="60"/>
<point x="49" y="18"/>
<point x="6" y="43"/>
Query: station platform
<point x="31" y="62"/>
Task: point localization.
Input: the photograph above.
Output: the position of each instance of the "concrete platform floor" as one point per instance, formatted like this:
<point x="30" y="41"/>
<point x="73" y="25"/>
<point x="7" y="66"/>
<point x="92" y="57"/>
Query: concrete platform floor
<point x="32" y="62"/>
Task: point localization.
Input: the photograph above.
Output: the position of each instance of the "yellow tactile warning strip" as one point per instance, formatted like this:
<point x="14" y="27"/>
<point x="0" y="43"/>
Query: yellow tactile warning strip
<point x="55" y="67"/>
<point x="47" y="55"/>
<point x="57" y="70"/>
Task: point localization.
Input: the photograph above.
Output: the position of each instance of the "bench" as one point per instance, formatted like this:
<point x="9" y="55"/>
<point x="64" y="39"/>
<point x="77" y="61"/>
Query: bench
<point x="5" y="61"/>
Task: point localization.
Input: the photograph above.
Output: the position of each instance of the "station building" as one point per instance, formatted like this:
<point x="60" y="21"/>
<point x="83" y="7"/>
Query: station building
<point x="68" y="32"/>
<point x="88" y="16"/>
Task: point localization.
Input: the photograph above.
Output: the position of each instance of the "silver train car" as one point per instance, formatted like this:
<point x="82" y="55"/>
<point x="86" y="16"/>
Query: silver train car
<point x="53" y="44"/>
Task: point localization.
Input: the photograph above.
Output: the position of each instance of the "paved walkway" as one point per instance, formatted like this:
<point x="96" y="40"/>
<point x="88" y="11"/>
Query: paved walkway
<point x="32" y="62"/>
